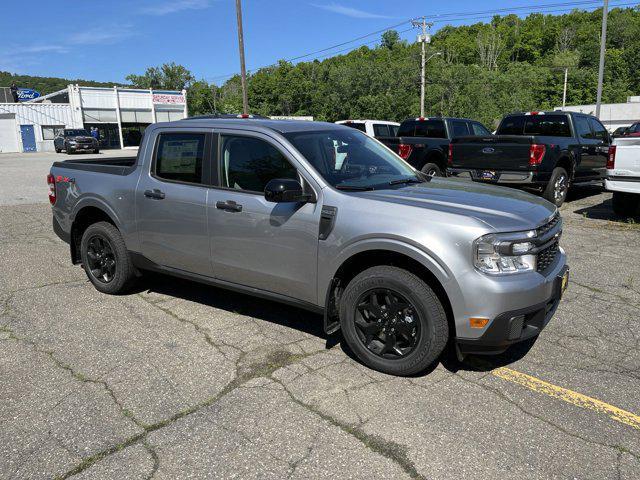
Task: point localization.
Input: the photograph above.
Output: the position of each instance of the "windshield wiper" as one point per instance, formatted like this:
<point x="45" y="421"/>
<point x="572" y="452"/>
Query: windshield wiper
<point x="353" y="188"/>
<point x="405" y="180"/>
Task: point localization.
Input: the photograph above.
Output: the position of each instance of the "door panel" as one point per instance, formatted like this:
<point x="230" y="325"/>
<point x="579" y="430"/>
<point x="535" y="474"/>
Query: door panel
<point x="261" y="244"/>
<point x="28" y="138"/>
<point x="172" y="211"/>
<point x="588" y="147"/>
<point x="271" y="246"/>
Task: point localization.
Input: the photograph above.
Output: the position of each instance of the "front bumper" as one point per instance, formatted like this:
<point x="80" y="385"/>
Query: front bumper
<point x="517" y="325"/>
<point x="84" y="146"/>
<point x="499" y="176"/>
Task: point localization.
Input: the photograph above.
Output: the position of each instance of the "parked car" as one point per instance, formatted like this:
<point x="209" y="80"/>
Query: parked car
<point x="548" y="151"/>
<point x="424" y="142"/>
<point x="623" y="176"/>
<point x="373" y="128"/>
<point x="73" y="140"/>
<point x="399" y="261"/>
<point x="633" y="130"/>
<point x="619" y="132"/>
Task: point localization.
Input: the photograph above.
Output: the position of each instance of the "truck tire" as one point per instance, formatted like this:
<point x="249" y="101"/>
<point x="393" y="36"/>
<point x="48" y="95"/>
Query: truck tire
<point x="105" y="258"/>
<point x="393" y="321"/>
<point x="432" y="170"/>
<point x="626" y="204"/>
<point x="558" y="186"/>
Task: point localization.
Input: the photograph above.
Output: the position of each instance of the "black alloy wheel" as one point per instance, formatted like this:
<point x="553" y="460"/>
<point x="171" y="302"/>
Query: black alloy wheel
<point x="387" y="324"/>
<point x="101" y="259"/>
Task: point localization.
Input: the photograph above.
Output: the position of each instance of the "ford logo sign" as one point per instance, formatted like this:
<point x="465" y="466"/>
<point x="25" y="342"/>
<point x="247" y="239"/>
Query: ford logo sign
<point x="488" y="150"/>
<point x="25" y="94"/>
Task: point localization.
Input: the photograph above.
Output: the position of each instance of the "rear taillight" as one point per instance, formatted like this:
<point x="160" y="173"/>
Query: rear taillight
<point x="611" y="158"/>
<point x="536" y="154"/>
<point x="404" y="150"/>
<point x="450" y="155"/>
<point x="51" y="180"/>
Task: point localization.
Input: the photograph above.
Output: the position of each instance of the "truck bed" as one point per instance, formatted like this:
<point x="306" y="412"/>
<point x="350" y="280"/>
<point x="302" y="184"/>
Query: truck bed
<point x="114" y="166"/>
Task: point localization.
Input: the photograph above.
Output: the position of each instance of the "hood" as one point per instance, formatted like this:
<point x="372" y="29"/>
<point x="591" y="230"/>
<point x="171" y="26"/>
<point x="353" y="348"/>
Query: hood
<point x="504" y="209"/>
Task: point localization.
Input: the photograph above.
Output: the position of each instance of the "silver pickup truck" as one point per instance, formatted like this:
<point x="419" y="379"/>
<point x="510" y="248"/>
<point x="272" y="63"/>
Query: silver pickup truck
<point x="323" y="217"/>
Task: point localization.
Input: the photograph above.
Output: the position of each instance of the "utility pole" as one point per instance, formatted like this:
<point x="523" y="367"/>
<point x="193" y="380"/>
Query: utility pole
<point x="423" y="38"/>
<point x="243" y="71"/>
<point x="564" y="90"/>
<point x="603" y="42"/>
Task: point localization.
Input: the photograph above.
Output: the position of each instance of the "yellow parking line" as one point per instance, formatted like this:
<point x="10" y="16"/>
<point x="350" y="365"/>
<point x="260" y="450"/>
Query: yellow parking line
<point x="568" y="396"/>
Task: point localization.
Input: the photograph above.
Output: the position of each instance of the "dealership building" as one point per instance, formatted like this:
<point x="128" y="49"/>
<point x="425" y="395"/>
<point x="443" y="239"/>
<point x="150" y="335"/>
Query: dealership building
<point x="119" y="114"/>
<point x="612" y="115"/>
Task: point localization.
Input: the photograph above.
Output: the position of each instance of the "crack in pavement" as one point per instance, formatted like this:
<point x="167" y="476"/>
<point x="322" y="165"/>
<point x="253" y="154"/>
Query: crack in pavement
<point x="272" y="362"/>
<point x="389" y="449"/>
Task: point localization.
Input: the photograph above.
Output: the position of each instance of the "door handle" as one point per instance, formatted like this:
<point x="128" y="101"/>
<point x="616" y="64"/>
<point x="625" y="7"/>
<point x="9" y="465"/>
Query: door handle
<point x="155" y="193"/>
<point x="229" y="206"/>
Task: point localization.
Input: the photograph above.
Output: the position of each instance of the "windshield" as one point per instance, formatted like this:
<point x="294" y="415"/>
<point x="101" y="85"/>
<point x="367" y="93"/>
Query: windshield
<point x="350" y="160"/>
<point x="76" y="133"/>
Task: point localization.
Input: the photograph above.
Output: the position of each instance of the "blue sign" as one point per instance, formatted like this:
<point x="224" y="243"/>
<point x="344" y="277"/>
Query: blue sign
<point x="25" y="94"/>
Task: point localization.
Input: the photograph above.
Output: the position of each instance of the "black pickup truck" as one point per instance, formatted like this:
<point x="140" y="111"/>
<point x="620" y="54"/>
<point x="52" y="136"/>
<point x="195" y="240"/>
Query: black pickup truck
<point x="424" y="142"/>
<point x="547" y="151"/>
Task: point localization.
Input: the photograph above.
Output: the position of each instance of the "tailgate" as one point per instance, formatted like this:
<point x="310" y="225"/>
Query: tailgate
<point x="503" y="152"/>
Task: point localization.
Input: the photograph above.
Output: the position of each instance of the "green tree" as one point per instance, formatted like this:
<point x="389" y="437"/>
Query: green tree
<point x="168" y="76"/>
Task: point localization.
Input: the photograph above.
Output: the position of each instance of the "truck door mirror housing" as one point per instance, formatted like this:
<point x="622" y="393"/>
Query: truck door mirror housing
<point x="285" y="190"/>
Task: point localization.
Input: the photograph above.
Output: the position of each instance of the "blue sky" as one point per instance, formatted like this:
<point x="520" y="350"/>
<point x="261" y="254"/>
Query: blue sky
<point x="106" y="40"/>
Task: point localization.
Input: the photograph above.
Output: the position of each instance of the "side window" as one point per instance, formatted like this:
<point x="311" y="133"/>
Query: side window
<point x="380" y="130"/>
<point x="393" y="130"/>
<point x="179" y="157"/>
<point x="582" y="127"/>
<point x="460" y="128"/>
<point x="599" y="131"/>
<point x="479" y="129"/>
<point x="249" y="163"/>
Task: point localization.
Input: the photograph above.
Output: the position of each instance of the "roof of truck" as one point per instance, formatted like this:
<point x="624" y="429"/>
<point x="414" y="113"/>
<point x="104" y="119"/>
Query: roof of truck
<point x="280" y="126"/>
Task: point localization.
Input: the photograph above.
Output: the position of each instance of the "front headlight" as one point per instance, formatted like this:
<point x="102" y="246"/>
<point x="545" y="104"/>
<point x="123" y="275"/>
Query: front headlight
<point x="72" y="142"/>
<point x="505" y="253"/>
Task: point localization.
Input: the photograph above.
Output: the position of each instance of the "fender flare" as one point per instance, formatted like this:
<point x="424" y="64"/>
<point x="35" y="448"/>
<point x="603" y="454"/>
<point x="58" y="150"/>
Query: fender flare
<point x="425" y="258"/>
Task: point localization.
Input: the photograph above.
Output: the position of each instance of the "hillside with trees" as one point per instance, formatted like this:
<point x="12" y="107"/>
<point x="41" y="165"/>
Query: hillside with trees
<point x="485" y="71"/>
<point x="46" y="85"/>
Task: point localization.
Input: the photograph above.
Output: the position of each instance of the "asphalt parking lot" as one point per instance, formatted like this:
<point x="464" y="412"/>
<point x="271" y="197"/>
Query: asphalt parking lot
<point x="180" y="380"/>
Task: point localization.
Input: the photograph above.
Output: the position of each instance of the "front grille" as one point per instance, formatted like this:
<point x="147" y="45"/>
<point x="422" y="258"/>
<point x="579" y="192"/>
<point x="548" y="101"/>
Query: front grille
<point x="540" y="231"/>
<point x="546" y="257"/>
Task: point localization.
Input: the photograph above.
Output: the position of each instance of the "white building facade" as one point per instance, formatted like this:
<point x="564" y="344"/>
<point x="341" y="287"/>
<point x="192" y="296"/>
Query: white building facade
<point x="612" y="115"/>
<point x="120" y="116"/>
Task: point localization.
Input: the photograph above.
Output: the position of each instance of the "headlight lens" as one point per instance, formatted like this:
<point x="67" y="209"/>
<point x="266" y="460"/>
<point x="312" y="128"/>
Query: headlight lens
<point x="498" y="254"/>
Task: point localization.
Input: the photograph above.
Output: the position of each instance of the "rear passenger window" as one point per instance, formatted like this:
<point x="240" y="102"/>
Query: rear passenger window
<point x="380" y="130"/>
<point x="179" y="157"/>
<point x="582" y="127"/>
<point x="598" y="130"/>
<point x="460" y="128"/>
<point x="250" y="163"/>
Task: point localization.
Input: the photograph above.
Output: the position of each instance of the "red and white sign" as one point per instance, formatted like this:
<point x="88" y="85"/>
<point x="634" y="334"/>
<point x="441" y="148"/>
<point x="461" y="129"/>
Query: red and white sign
<point x="168" y="98"/>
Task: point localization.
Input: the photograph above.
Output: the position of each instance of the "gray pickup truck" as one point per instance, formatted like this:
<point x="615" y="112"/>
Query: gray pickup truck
<point x="323" y="217"/>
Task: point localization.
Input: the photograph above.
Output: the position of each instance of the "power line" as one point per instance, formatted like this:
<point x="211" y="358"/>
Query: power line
<point x="437" y="18"/>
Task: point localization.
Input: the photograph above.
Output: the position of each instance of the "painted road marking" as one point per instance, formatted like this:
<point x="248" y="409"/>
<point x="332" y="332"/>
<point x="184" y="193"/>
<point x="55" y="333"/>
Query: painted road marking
<point x="568" y="396"/>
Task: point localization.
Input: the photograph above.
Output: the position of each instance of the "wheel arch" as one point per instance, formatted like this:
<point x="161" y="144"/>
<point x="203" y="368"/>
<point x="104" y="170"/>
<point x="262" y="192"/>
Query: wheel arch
<point x="85" y="216"/>
<point x="568" y="163"/>
<point x="423" y="267"/>
<point x="435" y="156"/>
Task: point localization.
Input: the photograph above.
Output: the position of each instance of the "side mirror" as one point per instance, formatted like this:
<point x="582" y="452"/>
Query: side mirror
<point x="285" y="190"/>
